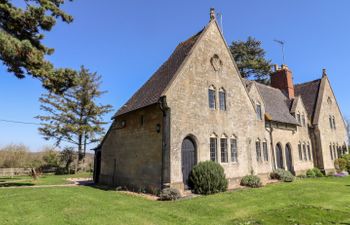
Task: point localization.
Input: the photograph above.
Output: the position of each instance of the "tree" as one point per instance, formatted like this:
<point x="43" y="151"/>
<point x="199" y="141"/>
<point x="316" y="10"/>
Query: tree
<point x="74" y="116"/>
<point x="21" y="36"/>
<point x="250" y="59"/>
<point x="67" y="157"/>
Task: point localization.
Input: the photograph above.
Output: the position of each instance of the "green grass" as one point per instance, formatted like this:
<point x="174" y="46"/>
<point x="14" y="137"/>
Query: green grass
<point x="308" y="201"/>
<point x="47" y="179"/>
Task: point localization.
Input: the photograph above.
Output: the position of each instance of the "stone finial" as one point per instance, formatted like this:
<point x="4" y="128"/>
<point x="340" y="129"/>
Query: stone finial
<point x="212" y="14"/>
<point x="275" y="68"/>
<point x="324" y="72"/>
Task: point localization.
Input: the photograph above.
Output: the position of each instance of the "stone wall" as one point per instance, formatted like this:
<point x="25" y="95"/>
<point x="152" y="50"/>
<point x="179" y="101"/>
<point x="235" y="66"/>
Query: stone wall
<point x="132" y="152"/>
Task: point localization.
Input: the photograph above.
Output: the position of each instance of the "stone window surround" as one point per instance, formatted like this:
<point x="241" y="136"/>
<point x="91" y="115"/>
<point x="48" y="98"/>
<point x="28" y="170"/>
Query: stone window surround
<point x="222" y="99"/>
<point x="224" y="149"/>
<point x="258" y="150"/>
<point x="228" y="146"/>
<point x="265" y="151"/>
<point x="212" y="97"/>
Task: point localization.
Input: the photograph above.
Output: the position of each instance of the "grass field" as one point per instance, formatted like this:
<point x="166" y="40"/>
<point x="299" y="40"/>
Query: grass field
<point x="308" y="201"/>
<point x="17" y="181"/>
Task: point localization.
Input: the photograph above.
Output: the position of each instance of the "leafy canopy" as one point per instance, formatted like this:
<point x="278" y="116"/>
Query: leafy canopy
<point x="250" y="59"/>
<point x="75" y="116"/>
<point x="21" y="36"/>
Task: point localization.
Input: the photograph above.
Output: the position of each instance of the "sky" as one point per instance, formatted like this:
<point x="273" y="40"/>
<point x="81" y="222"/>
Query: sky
<point x="126" y="41"/>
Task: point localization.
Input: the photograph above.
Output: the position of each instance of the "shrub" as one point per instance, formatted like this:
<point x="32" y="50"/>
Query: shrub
<point x="169" y="194"/>
<point x="283" y="175"/>
<point x="207" y="178"/>
<point x="251" y="181"/>
<point x="310" y="173"/>
<point x="340" y="164"/>
<point x="317" y="172"/>
<point x="347" y="159"/>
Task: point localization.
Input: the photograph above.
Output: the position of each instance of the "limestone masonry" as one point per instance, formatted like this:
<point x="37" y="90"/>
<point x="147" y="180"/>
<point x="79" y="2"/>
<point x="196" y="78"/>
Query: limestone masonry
<point x="196" y="107"/>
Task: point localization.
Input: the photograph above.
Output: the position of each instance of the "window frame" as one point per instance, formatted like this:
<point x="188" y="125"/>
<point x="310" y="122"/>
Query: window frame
<point x="258" y="150"/>
<point x="222" y="99"/>
<point x="304" y="152"/>
<point x="265" y="151"/>
<point x="223" y="150"/>
<point x="212" y="98"/>
<point x="300" y="151"/>
<point x="259" y="111"/>
<point x="234" y="149"/>
<point x="309" y="153"/>
<point x="213" y="146"/>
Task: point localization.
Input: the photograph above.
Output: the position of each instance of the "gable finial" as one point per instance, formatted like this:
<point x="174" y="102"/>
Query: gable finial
<point x="324" y="73"/>
<point x="212" y="14"/>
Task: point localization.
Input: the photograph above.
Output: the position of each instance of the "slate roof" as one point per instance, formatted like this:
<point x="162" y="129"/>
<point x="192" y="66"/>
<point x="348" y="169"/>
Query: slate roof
<point x="151" y="91"/>
<point x="277" y="105"/>
<point x="309" y="93"/>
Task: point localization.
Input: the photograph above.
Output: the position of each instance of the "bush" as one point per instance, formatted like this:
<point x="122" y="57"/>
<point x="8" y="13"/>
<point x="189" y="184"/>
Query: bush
<point x="347" y="159"/>
<point x="207" y="178"/>
<point x="169" y="194"/>
<point x="251" y="181"/>
<point x="310" y="173"/>
<point x="282" y="175"/>
<point x="340" y="164"/>
<point x="318" y="172"/>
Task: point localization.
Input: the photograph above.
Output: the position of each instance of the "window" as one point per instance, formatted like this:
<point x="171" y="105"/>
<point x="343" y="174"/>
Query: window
<point x="334" y="123"/>
<point x="309" y="151"/>
<point x="234" y="153"/>
<point x="212" y="98"/>
<point x="222" y="99"/>
<point x="304" y="150"/>
<point x="265" y="151"/>
<point x="258" y="111"/>
<point x="258" y="150"/>
<point x="299" y="118"/>
<point x="334" y="152"/>
<point x="330" y="122"/>
<point x="213" y="147"/>
<point x="303" y="119"/>
<point x="223" y="146"/>
<point x="300" y="152"/>
<point x="331" y="151"/>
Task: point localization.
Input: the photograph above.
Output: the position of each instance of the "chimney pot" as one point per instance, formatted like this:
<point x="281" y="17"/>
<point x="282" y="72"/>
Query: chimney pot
<point x="212" y="14"/>
<point x="275" y="67"/>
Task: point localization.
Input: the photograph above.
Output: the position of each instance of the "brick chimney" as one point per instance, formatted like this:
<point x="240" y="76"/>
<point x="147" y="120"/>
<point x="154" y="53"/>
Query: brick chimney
<point x="282" y="79"/>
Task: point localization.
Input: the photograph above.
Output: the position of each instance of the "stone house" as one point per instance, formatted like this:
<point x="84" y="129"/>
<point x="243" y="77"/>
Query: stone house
<point x="196" y="107"/>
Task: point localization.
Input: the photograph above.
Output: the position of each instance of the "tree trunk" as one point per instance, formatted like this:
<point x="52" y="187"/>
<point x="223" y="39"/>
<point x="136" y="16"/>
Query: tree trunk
<point x="34" y="175"/>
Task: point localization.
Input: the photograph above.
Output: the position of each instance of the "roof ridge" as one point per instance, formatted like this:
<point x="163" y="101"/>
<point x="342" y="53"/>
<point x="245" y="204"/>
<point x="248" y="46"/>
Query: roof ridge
<point x="308" y="82"/>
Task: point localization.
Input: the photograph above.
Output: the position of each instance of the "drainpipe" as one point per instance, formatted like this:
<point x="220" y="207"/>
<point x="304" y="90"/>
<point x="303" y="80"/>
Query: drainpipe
<point x="166" y="113"/>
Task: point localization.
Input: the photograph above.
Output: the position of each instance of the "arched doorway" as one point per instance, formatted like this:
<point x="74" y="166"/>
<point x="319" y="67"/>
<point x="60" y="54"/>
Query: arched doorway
<point x="289" y="163"/>
<point x="188" y="158"/>
<point x="279" y="156"/>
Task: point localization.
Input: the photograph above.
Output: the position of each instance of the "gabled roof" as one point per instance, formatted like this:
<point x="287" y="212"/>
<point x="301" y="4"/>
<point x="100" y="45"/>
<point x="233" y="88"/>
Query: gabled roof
<point x="309" y="93"/>
<point x="152" y="90"/>
<point x="277" y="105"/>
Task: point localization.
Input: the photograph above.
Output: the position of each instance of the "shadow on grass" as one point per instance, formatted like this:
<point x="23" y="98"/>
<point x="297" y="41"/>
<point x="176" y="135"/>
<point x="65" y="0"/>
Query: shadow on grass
<point x="15" y="184"/>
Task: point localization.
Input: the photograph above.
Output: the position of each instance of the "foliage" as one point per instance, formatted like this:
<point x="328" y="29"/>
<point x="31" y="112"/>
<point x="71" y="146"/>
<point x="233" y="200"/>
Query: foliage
<point x="342" y="163"/>
<point x="308" y="201"/>
<point x="67" y="157"/>
<point x="14" y="156"/>
<point x="169" y="194"/>
<point x="21" y="41"/>
<point x="75" y="116"/>
<point x="250" y="59"/>
<point x="51" y="157"/>
<point x="207" y="178"/>
<point x="251" y="181"/>
<point x="318" y="172"/>
<point x="282" y="175"/>
<point x="310" y="173"/>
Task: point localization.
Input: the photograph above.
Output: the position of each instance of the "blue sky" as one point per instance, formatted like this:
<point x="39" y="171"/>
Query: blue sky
<point x="126" y="41"/>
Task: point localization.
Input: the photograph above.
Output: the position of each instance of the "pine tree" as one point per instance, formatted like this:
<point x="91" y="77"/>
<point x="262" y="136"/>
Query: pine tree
<point x="21" y="36"/>
<point x="74" y="116"/>
<point x="250" y="59"/>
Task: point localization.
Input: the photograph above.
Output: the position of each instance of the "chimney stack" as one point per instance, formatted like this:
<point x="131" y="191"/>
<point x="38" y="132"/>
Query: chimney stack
<point x="212" y="14"/>
<point x="282" y="79"/>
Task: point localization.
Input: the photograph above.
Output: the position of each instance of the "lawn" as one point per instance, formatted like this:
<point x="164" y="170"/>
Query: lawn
<point x="308" y="201"/>
<point x="47" y="179"/>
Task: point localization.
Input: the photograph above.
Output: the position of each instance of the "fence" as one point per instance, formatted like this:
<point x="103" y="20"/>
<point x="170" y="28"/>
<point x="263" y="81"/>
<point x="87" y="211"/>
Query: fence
<point x="8" y="172"/>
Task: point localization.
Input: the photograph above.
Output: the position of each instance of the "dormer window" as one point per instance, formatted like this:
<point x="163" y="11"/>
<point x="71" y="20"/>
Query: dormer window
<point x="258" y="111"/>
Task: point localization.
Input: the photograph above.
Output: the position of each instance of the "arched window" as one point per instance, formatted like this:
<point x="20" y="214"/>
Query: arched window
<point x="258" y="150"/>
<point x="212" y="97"/>
<point x="222" y="99"/>
<point x="234" y="149"/>
<point x="299" y="118"/>
<point x="303" y="120"/>
<point x="258" y="111"/>
<point x="304" y="151"/>
<point x="309" y="151"/>
<point x="334" y="152"/>
<point x="223" y="147"/>
<point x="330" y="122"/>
<point x="213" y="147"/>
<point x="331" y="151"/>
<point x="333" y="119"/>
<point x="300" y="152"/>
<point x="265" y="151"/>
